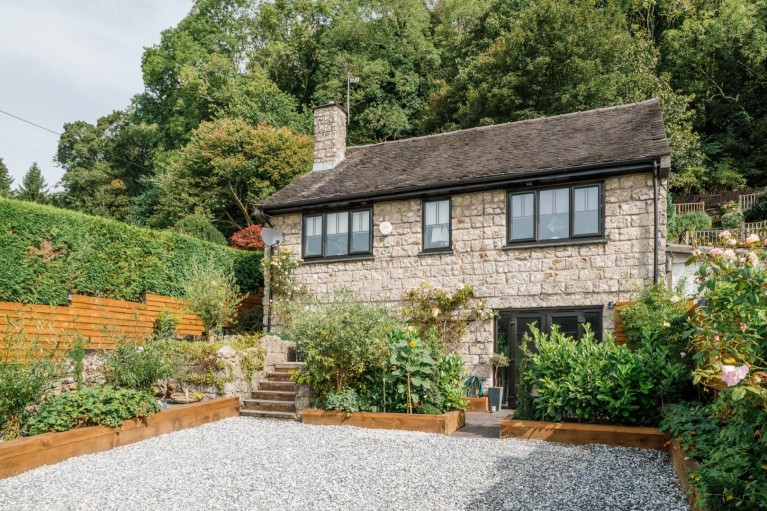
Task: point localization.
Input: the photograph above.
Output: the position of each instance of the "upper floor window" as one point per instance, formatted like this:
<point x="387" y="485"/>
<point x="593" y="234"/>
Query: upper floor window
<point x="549" y="214"/>
<point x="436" y="224"/>
<point x="337" y="233"/>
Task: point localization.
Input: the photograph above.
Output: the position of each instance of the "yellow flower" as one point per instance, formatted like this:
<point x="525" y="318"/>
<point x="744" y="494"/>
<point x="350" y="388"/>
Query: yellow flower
<point x="412" y="344"/>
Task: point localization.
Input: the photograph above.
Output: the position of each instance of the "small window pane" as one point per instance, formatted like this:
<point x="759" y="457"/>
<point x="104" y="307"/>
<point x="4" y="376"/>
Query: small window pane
<point x="555" y="214"/>
<point x="437" y="224"/>
<point x="313" y="230"/>
<point x="522" y="216"/>
<point x="361" y="231"/>
<point x="586" y="218"/>
<point x="338" y="234"/>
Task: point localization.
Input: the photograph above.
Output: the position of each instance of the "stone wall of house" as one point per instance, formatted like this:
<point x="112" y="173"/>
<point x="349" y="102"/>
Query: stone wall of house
<point x="567" y="275"/>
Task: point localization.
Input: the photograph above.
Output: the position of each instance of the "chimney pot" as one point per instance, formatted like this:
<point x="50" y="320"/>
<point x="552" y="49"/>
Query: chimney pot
<point x="329" y="136"/>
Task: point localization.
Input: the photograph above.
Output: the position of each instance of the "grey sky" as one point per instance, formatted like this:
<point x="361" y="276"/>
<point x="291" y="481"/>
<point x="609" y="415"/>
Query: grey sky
<point x="68" y="60"/>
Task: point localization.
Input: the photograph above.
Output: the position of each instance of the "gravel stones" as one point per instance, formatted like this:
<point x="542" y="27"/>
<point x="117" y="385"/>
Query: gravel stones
<point x="244" y="463"/>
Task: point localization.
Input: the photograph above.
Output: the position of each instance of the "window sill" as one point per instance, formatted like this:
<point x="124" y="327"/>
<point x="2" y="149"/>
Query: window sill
<point x="427" y="253"/>
<point x="344" y="259"/>
<point x="557" y="243"/>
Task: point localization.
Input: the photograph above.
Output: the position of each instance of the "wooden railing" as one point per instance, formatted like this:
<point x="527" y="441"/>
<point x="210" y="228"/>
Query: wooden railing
<point x="746" y="201"/>
<point x="709" y="237"/>
<point x="101" y="322"/>
<point x="689" y="207"/>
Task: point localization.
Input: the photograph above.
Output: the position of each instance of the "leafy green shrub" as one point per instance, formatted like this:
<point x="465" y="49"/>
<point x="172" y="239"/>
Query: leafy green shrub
<point x="212" y="294"/>
<point x="692" y="221"/>
<point x="347" y="401"/>
<point x="48" y="252"/>
<point x="338" y="341"/>
<point x="26" y="370"/>
<point x="659" y="310"/>
<point x="198" y="225"/>
<point x="91" y="407"/>
<point x="729" y="441"/>
<point x="758" y="210"/>
<point x="428" y="409"/>
<point x="165" y="323"/>
<point x="452" y="373"/>
<point x="732" y="220"/>
<point x="594" y="381"/>
<point x="138" y="367"/>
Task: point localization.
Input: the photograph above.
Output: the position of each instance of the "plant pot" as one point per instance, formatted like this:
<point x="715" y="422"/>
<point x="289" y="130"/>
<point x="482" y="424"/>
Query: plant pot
<point x="495" y="397"/>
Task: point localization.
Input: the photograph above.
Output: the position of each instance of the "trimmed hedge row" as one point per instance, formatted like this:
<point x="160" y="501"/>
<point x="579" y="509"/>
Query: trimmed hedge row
<point x="47" y="252"/>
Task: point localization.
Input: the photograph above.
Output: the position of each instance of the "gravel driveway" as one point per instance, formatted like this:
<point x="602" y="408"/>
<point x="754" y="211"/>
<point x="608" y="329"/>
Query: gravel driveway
<point x="255" y="464"/>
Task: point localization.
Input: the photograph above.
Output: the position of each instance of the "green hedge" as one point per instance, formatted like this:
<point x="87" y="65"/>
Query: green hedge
<point x="46" y="252"/>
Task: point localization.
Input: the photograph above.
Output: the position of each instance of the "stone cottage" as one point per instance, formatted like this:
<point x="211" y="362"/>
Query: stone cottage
<point x="551" y="220"/>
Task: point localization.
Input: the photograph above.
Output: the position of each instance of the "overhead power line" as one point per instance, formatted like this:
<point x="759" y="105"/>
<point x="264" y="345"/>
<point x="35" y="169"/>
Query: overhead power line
<point x="59" y="134"/>
<point x="30" y="122"/>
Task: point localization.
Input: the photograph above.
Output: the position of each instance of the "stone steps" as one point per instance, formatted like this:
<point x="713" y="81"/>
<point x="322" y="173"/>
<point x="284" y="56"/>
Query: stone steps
<point x="276" y="395"/>
<point x="273" y="395"/>
<point x="268" y="414"/>
<point x="267" y="405"/>
<point x="286" y="386"/>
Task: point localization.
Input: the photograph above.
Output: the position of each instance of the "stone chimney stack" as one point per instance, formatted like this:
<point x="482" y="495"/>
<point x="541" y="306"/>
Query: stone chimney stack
<point x="329" y="136"/>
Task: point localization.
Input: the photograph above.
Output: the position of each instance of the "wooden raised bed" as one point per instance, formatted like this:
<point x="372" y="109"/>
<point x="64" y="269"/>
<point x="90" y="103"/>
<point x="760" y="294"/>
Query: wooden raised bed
<point x="17" y="456"/>
<point x="579" y="434"/>
<point x="444" y="424"/>
<point x="684" y="467"/>
<point x="477" y="404"/>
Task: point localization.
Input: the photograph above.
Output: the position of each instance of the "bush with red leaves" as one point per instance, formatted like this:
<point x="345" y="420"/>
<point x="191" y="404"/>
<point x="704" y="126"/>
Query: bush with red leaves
<point x="248" y="238"/>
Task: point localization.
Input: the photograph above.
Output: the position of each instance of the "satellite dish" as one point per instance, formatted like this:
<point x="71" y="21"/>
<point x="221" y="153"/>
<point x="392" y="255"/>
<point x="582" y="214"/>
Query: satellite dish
<point x="272" y="237"/>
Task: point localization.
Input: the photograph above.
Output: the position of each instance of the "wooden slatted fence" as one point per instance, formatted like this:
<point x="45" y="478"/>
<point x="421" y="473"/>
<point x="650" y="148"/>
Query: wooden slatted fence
<point x="101" y="321"/>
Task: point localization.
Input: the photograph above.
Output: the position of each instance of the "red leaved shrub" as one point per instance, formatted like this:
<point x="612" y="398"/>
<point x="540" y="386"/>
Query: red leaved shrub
<point x="248" y="238"/>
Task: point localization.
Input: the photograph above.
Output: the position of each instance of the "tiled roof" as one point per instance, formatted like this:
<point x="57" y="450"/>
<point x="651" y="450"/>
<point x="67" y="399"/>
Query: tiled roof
<point x="604" y="137"/>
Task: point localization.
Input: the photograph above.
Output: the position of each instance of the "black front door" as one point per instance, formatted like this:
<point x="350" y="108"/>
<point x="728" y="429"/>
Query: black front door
<point x="512" y="326"/>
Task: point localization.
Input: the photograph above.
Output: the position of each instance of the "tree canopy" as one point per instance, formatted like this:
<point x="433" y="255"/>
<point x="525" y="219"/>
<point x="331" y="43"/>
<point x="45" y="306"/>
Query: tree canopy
<point x="5" y="180"/>
<point x="33" y="187"/>
<point x="229" y="92"/>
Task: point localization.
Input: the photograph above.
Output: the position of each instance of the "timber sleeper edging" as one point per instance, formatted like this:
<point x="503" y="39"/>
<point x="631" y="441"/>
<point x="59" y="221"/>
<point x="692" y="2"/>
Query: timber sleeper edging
<point x="23" y="454"/>
<point x="444" y="424"/>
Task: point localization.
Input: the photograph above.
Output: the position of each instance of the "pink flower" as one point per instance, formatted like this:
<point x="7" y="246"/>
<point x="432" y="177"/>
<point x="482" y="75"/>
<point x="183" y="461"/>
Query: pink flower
<point x="752" y="257"/>
<point x="716" y="337"/>
<point x="732" y="242"/>
<point x="715" y="252"/>
<point x="752" y="238"/>
<point x="729" y="255"/>
<point x="731" y="375"/>
<point x="674" y="299"/>
<point x="725" y="234"/>
<point x="743" y="326"/>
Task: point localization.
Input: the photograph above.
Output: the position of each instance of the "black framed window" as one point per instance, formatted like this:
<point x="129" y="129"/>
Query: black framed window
<point x="556" y="213"/>
<point x="337" y="233"/>
<point x="436" y="224"/>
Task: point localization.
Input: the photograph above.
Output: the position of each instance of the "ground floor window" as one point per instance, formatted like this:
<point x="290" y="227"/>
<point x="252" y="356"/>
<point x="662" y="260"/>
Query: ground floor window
<point x="512" y="325"/>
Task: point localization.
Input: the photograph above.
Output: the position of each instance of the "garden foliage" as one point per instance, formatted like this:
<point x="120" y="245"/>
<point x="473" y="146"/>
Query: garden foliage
<point x="212" y="294"/>
<point x="49" y="252"/>
<point x="139" y="366"/>
<point x="198" y="225"/>
<point x="360" y="357"/>
<point x="592" y="381"/>
<point x="692" y="221"/>
<point x="91" y="407"/>
<point x="728" y="332"/>
<point x="26" y="370"/>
